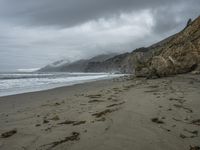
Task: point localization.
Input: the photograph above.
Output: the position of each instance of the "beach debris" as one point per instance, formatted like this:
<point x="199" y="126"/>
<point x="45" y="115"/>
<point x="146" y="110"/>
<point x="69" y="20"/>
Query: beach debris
<point x="181" y="101"/>
<point x="127" y="87"/>
<point x="112" y="105"/>
<point x="56" y="104"/>
<point x="196" y="122"/>
<point x="153" y="86"/>
<point x="95" y="101"/>
<point x="194" y="147"/>
<point x="114" y="99"/>
<point x="101" y="119"/>
<point x="94" y="96"/>
<point x="195" y="72"/>
<point x="168" y="130"/>
<point x="48" y="129"/>
<point x="107" y="128"/>
<point x="66" y="122"/>
<point x="59" y="103"/>
<point x="9" y="133"/>
<point x="157" y="120"/>
<point x="179" y="120"/>
<point x="45" y="121"/>
<point x="186" y="118"/>
<point x="174" y="126"/>
<point x="75" y="136"/>
<point x="183" y="136"/>
<point x="83" y="104"/>
<point x="55" y="118"/>
<point x="169" y="109"/>
<point x="78" y="123"/>
<point x="109" y="98"/>
<point x="103" y="113"/>
<point x="117" y="90"/>
<point x="152" y="91"/>
<point x="181" y="106"/>
<point x="37" y="125"/>
<point x="74" y="123"/>
<point x="195" y="132"/>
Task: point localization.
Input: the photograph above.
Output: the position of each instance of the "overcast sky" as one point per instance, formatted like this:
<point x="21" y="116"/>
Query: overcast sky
<point x="34" y="33"/>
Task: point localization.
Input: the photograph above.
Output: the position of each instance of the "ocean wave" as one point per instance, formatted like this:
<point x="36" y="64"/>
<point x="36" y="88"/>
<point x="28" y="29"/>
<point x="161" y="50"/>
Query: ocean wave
<point x="23" y="76"/>
<point x="16" y="83"/>
<point x="28" y="70"/>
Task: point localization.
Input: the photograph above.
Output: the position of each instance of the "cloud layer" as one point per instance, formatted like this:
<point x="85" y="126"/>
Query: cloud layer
<point x="35" y="32"/>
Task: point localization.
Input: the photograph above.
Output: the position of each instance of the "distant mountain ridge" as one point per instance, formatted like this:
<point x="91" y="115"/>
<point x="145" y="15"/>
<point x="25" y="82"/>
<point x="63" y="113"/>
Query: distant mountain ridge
<point x="77" y="66"/>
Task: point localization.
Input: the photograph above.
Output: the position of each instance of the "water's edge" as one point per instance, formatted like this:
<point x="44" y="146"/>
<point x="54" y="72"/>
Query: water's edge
<point x="35" y="84"/>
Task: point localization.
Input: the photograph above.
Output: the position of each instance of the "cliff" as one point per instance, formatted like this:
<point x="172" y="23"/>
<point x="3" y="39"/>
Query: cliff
<point x="180" y="54"/>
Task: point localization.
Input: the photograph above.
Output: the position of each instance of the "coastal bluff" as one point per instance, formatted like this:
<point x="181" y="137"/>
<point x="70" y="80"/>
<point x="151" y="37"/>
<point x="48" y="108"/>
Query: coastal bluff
<point x="180" y="54"/>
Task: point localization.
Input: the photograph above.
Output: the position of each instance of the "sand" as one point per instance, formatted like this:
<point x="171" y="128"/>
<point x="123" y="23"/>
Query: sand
<point x="118" y="114"/>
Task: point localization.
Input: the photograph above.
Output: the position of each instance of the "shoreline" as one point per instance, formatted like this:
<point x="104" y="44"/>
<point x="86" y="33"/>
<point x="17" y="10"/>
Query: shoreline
<point x="112" y="114"/>
<point x="51" y="87"/>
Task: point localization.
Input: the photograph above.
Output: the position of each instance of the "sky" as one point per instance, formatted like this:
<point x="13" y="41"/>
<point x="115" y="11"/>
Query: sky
<point x="34" y="33"/>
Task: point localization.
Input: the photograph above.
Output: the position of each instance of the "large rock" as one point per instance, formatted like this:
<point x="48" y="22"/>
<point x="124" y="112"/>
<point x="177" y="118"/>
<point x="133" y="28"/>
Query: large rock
<point x="181" y="54"/>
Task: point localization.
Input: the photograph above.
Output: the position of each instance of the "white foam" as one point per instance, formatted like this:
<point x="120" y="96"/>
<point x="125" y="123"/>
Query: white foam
<point x="28" y="70"/>
<point x="22" y="83"/>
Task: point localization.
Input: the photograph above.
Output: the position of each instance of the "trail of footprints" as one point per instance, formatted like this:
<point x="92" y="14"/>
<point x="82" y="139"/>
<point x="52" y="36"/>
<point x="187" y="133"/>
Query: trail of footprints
<point x="98" y="105"/>
<point x="177" y="103"/>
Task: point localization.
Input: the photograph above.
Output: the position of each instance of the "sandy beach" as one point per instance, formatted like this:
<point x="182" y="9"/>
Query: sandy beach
<point x="125" y="113"/>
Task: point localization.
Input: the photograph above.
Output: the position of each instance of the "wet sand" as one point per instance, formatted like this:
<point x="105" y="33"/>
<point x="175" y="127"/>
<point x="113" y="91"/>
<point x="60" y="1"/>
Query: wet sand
<point x="124" y="113"/>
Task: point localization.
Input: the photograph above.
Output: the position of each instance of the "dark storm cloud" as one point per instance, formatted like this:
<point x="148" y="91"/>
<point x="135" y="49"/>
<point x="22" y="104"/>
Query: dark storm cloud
<point x="73" y="12"/>
<point x="173" y="17"/>
<point x="40" y="31"/>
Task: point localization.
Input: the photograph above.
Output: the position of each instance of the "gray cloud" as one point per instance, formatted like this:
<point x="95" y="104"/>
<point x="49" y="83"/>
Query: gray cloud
<point x="173" y="17"/>
<point x="41" y="31"/>
<point x="73" y="12"/>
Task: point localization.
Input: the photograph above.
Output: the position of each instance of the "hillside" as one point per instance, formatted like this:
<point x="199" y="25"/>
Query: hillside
<point x="179" y="53"/>
<point x="77" y="66"/>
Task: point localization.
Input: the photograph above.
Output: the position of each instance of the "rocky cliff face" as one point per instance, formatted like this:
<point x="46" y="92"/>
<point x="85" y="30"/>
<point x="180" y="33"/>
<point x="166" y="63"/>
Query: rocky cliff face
<point x="110" y="65"/>
<point x="123" y="63"/>
<point x="180" y="54"/>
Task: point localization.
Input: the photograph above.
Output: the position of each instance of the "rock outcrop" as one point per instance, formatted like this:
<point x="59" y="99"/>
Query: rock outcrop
<point x="123" y="63"/>
<point x="180" y="54"/>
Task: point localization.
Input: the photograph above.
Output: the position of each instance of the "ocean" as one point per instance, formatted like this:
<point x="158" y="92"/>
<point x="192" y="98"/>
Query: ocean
<point x="23" y="82"/>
